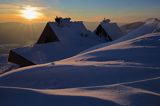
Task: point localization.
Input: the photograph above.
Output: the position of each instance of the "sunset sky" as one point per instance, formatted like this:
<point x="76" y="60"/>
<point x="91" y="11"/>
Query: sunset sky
<point x="86" y="10"/>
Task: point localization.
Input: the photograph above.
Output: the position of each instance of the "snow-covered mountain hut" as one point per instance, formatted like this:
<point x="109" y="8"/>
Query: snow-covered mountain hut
<point x="59" y="40"/>
<point x="108" y="30"/>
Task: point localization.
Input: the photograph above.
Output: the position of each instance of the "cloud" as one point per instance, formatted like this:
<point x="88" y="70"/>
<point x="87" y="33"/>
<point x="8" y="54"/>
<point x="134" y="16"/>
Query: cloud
<point x="9" y="6"/>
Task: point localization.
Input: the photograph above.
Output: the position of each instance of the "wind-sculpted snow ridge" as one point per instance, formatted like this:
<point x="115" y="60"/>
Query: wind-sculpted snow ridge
<point x="126" y="73"/>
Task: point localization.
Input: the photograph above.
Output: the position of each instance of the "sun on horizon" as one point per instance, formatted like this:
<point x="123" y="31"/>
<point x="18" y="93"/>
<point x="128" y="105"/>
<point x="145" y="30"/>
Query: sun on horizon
<point x="30" y="13"/>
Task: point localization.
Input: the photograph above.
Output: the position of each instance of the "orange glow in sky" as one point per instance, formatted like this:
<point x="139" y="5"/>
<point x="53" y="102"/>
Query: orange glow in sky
<point x="30" y="13"/>
<point x="80" y="10"/>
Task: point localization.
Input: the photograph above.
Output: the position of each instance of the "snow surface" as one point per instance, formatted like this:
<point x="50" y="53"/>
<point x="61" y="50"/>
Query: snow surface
<point x="125" y="73"/>
<point x="150" y="26"/>
<point x="5" y="65"/>
<point x="74" y="38"/>
<point x="3" y="58"/>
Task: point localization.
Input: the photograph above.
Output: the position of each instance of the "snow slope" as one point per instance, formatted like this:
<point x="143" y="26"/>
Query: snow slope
<point x="126" y="73"/>
<point x="4" y="65"/>
<point x="3" y="58"/>
<point x="131" y="26"/>
<point x="150" y="26"/>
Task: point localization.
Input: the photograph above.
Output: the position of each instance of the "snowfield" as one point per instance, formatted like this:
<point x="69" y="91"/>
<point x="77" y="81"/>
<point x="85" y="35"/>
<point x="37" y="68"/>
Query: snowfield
<point x="121" y="73"/>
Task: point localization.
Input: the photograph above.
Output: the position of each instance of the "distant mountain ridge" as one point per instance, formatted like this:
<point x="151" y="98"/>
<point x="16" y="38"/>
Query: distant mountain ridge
<point x="131" y="26"/>
<point x="134" y="25"/>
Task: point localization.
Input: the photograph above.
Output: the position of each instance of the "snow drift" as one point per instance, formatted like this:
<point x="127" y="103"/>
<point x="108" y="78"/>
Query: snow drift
<point x="125" y="73"/>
